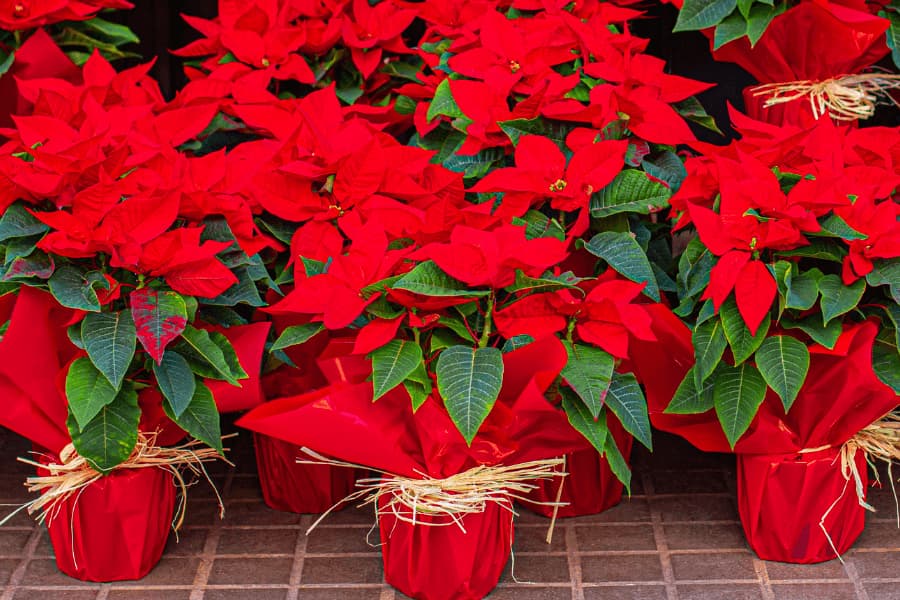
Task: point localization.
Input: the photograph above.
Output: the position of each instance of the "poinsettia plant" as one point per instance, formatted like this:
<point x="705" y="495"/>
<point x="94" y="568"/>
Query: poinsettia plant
<point x="102" y="209"/>
<point x="797" y="235"/>
<point x="495" y="226"/>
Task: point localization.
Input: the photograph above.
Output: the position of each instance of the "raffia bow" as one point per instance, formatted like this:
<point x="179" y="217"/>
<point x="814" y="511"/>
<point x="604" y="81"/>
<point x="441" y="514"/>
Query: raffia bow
<point x="452" y="497"/>
<point x="72" y="474"/>
<point x="843" y="98"/>
<point x="878" y="441"/>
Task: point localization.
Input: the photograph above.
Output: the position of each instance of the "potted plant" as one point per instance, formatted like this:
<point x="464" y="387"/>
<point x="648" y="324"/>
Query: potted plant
<point x="790" y="290"/>
<point x="119" y="288"/>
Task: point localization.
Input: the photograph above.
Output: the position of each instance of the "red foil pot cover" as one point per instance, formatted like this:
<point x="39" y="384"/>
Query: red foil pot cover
<point x="590" y="486"/>
<point x="443" y="562"/>
<point x="116" y="529"/>
<point x="300" y="488"/>
<point x="783" y="498"/>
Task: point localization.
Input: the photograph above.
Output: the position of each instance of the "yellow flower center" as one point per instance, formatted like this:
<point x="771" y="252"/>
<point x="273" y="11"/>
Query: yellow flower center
<point x="558" y="185"/>
<point x="514" y="66"/>
<point x="265" y="62"/>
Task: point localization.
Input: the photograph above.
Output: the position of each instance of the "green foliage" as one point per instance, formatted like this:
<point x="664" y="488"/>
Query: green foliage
<point x="469" y="381"/>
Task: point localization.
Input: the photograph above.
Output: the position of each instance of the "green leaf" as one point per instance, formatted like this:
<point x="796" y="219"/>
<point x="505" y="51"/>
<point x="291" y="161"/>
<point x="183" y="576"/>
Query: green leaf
<point x="667" y="167"/>
<point x="443" y="103"/>
<point x="111" y="32"/>
<point x="623" y="254"/>
<point x="700" y="14"/>
<point x="886" y="272"/>
<point x="731" y="28"/>
<point x="737" y="394"/>
<point x="429" y="280"/>
<point x="693" y="111"/>
<point x="594" y="430"/>
<point x="87" y="391"/>
<point x="838" y="298"/>
<point x="516" y="342"/>
<point x="474" y="165"/>
<point x="18" y="222"/>
<point x="110" y="340"/>
<point x="296" y="334"/>
<point x="176" y="381"/>
<point x="392" y="363"/>
<point x="589" y="372"/>
<point x="783" y="362"/>
<point x="516" y="128"/>
<point x="545" y="283"/>
<point x="694" y="266"/>
<point x="242" y="292"/>
<point x="469" y="381"/>
<point x="892" y="34"/>
<point x="539" y="225"/>
<point x="108" y="439"/>
<point x="690" y="399"/>
<point x="201" y="418"/>
<point x="159" y="318"/>
<point x="627" y="401"/>
<point x="886" y="364"/>
<point x="826" y="335"/>
<point x="418" y="386"/>
<point x="709" y="345"/>
<point x="759" y="19"/>
<point x="35" y="264"/>
<point x="834" y="226"/>
<point x="743" y="343"/>
<point x="820" y="248"/>
<point x="7" y="62"/>
<point x="631" y="191"/>
<point x="210" y="355"/>
<point x="75" y="289"/>
<point x="617" y="463"/>
<point x="802" y="289"/>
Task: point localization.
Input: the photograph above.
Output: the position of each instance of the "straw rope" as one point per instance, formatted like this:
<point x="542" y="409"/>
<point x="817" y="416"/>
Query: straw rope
<point x="878" y="441"/>
<point x="843" y="98"/>
<point x="452" y="497"/>
<point x="72" y="474"/>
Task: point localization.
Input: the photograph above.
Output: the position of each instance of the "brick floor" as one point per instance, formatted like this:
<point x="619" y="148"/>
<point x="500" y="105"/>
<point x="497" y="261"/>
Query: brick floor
<point x="677" y="538"/>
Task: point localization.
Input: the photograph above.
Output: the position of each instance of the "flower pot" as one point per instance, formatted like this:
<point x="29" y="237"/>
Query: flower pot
<point x="443" y="562"/>
<point x="116" y="528"/>
<point x="782" y="499"/>
<point x="590" y="486"/>
<point x="300" y="488"/>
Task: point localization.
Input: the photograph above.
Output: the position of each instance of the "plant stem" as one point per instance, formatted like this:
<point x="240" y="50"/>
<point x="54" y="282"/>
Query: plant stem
<point x="487" y="322"/>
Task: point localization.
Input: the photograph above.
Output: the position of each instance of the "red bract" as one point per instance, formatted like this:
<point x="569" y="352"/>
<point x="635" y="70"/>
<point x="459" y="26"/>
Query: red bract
<point x="541" y="172"/>
<point x="492" y="258"/>
<point x="335" y="296"/>
<point x="880" y="224"/>
<point x="485" y="107"/>
<point x="29" y="14"/>
<point x="604" y="317"/>
<point x="369" y="30"/>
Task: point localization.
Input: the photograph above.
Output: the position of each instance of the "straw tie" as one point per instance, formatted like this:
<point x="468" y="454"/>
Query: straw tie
<point x="843" y="98"/>
<point x="72" y="474"/>
<point x="453" y="497"/>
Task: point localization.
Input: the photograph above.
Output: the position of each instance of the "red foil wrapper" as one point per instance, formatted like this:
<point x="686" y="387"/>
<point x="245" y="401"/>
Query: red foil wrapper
<point x="300" y="488"/>
<point x="783" y="498"/>
<point x="116" y="529"/>
<point x="443" y="562"/>
<point x="590" y="486"/>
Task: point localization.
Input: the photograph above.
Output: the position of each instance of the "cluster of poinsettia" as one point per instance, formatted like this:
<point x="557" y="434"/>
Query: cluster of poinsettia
<point x="101" y="208"/>
<point x="16" y="15"/>
<point x="798" y="232"/>
<point x="517" y="213"/>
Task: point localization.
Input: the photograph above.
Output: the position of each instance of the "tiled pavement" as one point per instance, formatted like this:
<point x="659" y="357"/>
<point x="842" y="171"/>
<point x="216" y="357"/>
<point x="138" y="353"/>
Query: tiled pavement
<point x="678" y="537"/>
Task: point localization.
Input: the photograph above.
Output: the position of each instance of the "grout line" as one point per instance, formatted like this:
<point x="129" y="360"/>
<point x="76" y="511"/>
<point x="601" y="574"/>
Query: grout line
<point x="204" y="567"/>
<point x="387" y="593"/>
<point x="574" y="562"/>
<point x="19" y="573"/>
<point x="765" y="584"/>
<point x="659" y="535"/>
<point x="299" y="556"/>
<point x="853" y="574"/>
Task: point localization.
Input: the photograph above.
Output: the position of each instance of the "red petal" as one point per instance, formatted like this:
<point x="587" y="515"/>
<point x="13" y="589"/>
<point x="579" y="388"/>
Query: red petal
<point x="754" y="291"/>
<point x="376" y="334"/>
<point x="723" y="276"/>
